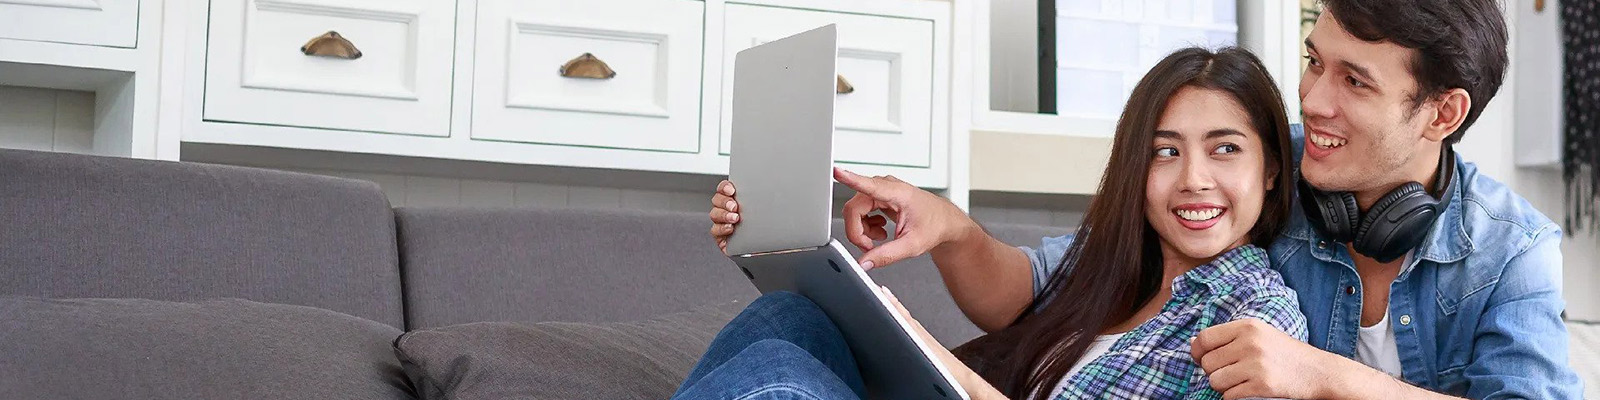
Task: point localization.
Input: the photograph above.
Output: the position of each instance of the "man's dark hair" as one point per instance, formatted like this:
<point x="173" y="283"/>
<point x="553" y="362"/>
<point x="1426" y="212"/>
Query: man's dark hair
<point x="1459" y="43"/>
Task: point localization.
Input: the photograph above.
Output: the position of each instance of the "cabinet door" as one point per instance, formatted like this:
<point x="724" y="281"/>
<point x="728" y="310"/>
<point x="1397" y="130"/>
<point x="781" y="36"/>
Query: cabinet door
<point x="600" y="73"/>
<point x="356" y="65"/>
<point x="887" y="61"/>
<point x="112" y="23"/>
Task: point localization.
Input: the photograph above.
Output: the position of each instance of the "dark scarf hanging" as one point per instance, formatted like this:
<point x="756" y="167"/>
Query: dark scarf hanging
<point x="1580" y="165"/>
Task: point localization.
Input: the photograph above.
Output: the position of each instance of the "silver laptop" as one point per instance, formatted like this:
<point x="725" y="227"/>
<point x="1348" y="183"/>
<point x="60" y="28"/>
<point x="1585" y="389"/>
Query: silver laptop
<point x="782" y="162"/>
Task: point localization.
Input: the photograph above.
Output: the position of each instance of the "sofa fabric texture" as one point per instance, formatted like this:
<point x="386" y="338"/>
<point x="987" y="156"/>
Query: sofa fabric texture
<point x="472" y="265"/>
<point x="212" y="349"/>
<point x="561" y="360"/>
<point x="86" y="226"/>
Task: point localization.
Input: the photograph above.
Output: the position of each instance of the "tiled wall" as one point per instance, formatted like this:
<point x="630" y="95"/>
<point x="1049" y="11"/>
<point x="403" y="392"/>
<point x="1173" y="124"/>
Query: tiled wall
<point x="46" y="120"/>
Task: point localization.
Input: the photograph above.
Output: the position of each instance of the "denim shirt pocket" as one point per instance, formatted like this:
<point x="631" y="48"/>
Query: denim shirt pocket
<point x="1462" y="292"/>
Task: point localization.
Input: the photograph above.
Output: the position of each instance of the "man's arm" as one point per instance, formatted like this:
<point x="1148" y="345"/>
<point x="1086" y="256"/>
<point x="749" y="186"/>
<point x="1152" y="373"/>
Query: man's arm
<point x="1520" y="349"/>
<point x="1248" y="358"/>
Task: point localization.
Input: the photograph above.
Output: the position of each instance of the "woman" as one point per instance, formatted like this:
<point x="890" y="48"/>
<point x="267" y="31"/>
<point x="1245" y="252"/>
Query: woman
<point x="1160" y="255"/>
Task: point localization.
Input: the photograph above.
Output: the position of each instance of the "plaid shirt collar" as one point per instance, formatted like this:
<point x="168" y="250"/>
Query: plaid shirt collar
<point x="1220" y="273"/>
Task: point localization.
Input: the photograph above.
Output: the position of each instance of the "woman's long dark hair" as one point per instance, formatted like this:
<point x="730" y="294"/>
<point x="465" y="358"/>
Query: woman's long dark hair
<point x="1114" y="266"/>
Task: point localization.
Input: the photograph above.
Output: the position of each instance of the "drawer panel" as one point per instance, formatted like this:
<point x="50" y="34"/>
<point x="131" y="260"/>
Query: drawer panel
<point x="612" y="73"/>
<point x="377" y="66"/>
<point x="113" y="23"/>
<point x="884" y="117"/>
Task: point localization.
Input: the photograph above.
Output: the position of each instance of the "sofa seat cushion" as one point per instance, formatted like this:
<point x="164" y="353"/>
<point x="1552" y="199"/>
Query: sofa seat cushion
<point x="214" y="349"/>
<point x="561" y="360"/>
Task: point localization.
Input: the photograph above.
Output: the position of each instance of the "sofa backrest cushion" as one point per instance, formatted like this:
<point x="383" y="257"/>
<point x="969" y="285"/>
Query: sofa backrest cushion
<point x="472" y="265"/>
<point x="88" y="226"/>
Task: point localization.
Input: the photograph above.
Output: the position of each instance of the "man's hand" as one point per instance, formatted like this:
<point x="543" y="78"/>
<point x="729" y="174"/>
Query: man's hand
<point x="1249" y="358"/>
<point x="922" y="220"/>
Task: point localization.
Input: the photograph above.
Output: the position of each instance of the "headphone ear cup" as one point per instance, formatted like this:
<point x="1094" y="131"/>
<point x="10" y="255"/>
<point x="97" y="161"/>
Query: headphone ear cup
<point x="1336" y="214"/>
<point x="1390" y="227"/>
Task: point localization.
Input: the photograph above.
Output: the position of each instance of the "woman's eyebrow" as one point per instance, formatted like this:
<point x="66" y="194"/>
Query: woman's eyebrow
<point x="1168" y="135"/>
<point x="1217" y="133"/>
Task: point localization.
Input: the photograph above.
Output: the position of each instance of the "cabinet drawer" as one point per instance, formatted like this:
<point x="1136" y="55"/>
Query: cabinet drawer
<point x="358" y="65"/>
<point x="888" y="61"/>
<point x="112" y="23"/>
<point x="600" y="73"/>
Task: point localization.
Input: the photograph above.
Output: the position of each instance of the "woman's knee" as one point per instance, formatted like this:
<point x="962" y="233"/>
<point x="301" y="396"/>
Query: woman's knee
<point x="787" y="308"/>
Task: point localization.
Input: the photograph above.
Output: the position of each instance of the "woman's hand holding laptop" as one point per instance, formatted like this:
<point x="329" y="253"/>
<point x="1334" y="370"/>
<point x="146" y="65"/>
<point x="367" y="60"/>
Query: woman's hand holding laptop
<point x="923" y="220"/>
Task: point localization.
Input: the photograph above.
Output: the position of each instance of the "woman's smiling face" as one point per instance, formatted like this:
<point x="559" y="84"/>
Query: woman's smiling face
<point x="1208" y="176"/>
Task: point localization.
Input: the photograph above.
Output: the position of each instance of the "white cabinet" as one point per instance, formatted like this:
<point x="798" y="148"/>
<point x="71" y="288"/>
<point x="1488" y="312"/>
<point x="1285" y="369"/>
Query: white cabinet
<point x="635" y="85"/>
<point x="603" y="73"/>
<point x="357" y="65"/>
<point x="113" y="23"/>
<point x="887" y="61"/>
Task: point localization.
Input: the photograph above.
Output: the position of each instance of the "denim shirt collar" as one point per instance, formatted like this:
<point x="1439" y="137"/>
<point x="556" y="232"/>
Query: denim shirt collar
<point x="1445" y="244"/>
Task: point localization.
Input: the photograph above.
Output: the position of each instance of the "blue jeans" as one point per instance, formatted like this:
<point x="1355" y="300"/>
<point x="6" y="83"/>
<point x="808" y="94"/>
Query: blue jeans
<point x="780" y="347"/>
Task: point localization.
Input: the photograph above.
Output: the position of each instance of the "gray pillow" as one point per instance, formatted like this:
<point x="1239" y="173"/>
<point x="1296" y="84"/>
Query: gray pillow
<point x="560" y="360"/>
<point x="215" y="349"/>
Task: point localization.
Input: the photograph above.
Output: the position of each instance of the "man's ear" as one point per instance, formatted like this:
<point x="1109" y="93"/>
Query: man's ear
<point x="1450" y="110"/>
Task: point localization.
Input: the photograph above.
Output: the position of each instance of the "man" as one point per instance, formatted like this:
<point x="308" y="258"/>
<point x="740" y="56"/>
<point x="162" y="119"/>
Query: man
<point x="1462" y="300"/>
<point x="1471" y="309"/>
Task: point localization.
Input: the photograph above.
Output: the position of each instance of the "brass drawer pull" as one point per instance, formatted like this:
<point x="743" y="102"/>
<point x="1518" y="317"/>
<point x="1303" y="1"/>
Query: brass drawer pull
<point x="587" y="66"/>
<point x="332" y="45"/>
<point x="842" y="86"/>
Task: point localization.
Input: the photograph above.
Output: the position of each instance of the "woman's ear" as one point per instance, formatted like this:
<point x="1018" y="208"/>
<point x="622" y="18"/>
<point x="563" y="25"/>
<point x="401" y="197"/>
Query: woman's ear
<point x="1272" y="177"/>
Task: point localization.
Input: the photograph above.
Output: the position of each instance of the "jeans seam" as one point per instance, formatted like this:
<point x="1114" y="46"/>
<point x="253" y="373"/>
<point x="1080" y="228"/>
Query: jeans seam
<point x="775" y="386"/>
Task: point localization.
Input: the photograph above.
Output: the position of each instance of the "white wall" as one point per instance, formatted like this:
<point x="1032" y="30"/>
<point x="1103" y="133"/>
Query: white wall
<point x="46" y="119"/>
<point x="1013" y="59"/>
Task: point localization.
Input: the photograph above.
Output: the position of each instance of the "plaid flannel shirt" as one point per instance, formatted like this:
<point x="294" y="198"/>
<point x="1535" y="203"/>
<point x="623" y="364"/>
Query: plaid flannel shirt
<point x="1153" y="362"/>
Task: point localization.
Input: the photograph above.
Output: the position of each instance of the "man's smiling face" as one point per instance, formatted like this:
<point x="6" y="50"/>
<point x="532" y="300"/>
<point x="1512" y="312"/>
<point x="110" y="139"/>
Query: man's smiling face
<point x="1362" y="126"/>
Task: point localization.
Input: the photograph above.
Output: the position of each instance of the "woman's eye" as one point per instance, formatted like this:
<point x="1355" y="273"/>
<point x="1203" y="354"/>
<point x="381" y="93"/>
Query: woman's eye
<point x="1226" y="149"/>
<point x="1354" y="82"/>
<point x="1166" y="152"/>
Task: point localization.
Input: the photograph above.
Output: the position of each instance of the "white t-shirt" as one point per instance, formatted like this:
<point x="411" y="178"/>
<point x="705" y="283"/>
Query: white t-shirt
<point x="1101" y="345"/>
<point x="1375" y="345"/>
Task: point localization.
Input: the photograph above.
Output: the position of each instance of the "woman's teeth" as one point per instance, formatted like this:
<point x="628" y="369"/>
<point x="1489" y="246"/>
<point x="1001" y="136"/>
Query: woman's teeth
<point x="1199" y="215"/>
<point x="1327" y="141"/>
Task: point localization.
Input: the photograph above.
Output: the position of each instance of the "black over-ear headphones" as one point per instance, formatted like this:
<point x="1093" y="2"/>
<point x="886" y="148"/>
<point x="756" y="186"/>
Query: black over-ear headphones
<point x="1394" y="225"/>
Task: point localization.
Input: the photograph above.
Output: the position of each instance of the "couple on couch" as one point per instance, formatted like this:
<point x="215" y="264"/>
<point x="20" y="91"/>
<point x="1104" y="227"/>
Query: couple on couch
<point x="1400" y="271"/>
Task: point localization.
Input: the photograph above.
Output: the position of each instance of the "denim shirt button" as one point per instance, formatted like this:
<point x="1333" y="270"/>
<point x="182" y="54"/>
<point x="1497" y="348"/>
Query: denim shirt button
<point x="1322" y="244"/>
<point x="1405" y="319"/>
<point x="1350" y="290"/>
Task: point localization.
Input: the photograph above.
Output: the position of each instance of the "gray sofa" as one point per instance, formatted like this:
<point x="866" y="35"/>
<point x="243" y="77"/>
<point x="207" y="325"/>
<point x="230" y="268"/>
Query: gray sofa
<point x="331" y="272"/>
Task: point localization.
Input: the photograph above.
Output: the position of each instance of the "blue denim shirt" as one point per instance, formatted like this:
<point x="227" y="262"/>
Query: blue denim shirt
<point x="1476" y="310"/>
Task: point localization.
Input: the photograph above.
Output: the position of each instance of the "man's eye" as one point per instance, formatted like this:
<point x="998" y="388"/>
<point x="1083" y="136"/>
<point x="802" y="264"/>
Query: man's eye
<point x="1166" y="152"/>
<point x="1226" y="149"/>
<point x="1312" y="61"/>
<point x="1355" y="82"/>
